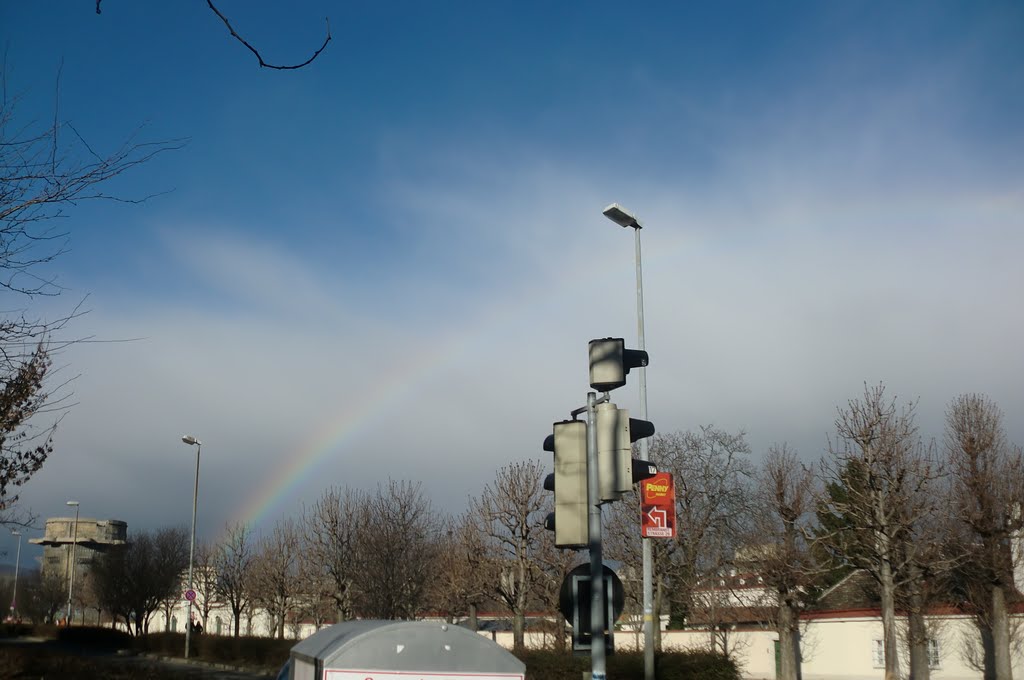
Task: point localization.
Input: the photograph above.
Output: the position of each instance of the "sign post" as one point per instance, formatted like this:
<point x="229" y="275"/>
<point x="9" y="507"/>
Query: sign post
<point x="658" y="507"/>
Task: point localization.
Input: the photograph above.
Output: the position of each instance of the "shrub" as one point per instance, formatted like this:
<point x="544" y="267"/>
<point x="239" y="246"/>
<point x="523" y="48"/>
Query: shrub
<point x="164" y="644"/>
<point x="106" y="638"/>
<point x="550" y="665"/>
<point x="11" y="630"/>
<point x="695" y="664"/>
<point x="243" y="651"/>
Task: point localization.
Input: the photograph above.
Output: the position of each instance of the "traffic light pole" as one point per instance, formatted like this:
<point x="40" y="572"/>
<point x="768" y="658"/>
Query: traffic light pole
<point x="597" y="594"/>
<point x="610" y="361"/>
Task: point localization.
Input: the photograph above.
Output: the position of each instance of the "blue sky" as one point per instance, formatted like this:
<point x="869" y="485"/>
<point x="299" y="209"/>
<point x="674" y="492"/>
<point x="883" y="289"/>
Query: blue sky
<point x="406" y="235"/>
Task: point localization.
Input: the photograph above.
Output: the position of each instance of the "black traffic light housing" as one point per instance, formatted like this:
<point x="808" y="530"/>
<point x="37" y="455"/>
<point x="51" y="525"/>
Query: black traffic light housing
<point x="610" y="361"/>
<point x="570" y="520"/>
<point x="618" y="471"/>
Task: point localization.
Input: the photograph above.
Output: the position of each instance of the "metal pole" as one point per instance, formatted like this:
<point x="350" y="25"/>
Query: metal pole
<point x="597" y="663"/>
<point x="74" y="545"/>
<point x="648" y="557"/>
<point x="192" y="551"/>
<point x="17" y="567"/>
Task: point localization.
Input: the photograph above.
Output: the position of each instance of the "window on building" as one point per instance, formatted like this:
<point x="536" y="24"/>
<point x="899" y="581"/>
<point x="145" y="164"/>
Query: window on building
<point x="878" y="653"/>
<point x="933" y="653"/>
<point x="219" y="623"/>
<point x="174" y="624"/>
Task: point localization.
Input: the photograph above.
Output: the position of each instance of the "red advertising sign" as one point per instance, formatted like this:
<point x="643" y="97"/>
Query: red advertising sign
<point x="658" y="506"/>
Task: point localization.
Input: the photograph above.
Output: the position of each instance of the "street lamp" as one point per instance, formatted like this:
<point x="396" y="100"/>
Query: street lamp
<point x="192" y="441"/>
<point x="74" y="546"/>
<point x="622" y="217"/>
<point x="17" y="567"/>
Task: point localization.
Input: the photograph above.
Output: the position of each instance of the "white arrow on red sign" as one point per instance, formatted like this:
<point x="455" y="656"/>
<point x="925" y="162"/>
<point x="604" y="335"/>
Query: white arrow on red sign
<point x="659" y="517"/>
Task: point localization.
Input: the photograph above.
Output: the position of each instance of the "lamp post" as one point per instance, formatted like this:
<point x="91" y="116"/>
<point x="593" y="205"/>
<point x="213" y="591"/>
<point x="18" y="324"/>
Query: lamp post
<point x="192" y="441"/>
<point x="17" y="567"/>
<point x="74" y="545"/>
<point x="620" y="216"/>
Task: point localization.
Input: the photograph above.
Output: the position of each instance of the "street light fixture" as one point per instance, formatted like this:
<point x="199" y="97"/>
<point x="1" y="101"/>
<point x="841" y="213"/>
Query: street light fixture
<point x="192" y="441"/>
<point x="74" y="546"/>
<point x="622" y="217"/>
<point x="17" y="567"/>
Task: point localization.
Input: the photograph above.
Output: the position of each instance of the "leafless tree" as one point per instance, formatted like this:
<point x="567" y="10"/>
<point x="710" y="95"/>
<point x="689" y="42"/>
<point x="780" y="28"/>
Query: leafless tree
<point x="928" y="558"/>
<point x="44" y="594"/>
<point x="395" y="552"/>
<point x="988" y="491"/>
<point x="205" y="581"/>
<point x="174" y="544"/>
<point x="45" y="169"/>
<point x="233" y="563"/>
<point x="461" y="585"/>
<point x="273" y="578"/>
<point x="712" y="471"/>
<point x="511" y="510"/>
<point x="329" y="539"/>
<point x="132" y="581"/>
<point x="778" y="549"/>
<point x="553" y="565"/>
<point x="887" y="478"/>
<point x="622" y="543"/>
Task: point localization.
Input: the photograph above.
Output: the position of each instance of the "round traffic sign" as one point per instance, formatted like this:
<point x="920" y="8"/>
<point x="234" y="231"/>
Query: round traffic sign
<point x="190" y="594"/>
<point x="569" y="601"/>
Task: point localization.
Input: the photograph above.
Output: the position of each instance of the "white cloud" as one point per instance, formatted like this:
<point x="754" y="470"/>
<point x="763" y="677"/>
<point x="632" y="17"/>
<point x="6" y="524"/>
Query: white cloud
<point x="827" y="249"/>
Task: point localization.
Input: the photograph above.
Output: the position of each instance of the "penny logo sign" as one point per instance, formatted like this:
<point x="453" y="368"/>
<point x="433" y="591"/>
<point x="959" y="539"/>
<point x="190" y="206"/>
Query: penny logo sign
<point x="658" y="507"/>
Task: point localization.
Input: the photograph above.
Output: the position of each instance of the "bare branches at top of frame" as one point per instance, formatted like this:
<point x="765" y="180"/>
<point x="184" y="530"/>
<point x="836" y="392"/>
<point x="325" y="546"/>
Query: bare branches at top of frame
<point x="252" y="49"/>
<point x="236" y="36"/>
<point x="41" y="175"/>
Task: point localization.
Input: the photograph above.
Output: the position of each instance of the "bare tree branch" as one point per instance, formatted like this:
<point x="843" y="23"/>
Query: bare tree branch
<point x="42" y="173"/>
<point x="264" y="64"/>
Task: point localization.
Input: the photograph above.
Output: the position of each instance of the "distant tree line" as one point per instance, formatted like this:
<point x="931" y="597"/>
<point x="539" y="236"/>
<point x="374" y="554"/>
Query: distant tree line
<point x="931" y="522"/>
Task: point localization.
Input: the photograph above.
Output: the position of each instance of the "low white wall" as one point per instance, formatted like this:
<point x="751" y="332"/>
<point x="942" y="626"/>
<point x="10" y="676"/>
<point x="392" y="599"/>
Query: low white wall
<point x="833" y="648"/>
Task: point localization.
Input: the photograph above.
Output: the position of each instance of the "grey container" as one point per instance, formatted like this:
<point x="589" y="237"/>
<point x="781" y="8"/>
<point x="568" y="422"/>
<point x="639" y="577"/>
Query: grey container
<point x="400" y="650"/>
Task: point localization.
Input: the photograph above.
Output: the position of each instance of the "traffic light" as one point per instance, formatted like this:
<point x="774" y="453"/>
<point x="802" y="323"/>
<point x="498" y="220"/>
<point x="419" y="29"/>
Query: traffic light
<point x="617" y="470"/>
<point x="569" y="482"/>
<point x="610" y="361"/>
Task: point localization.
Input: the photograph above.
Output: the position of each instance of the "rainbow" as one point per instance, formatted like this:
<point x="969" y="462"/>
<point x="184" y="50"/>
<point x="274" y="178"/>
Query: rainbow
<point x="300" y="464"/>
<point x="403" y="382"/>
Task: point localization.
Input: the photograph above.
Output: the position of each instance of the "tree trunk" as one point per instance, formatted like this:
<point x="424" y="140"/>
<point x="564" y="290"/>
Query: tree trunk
<point x="916" y="627"/>
<point x="892" y="662"/>
<point x="919" y="645"/>
<point x="474" y="625"/>
<point x="789" y="655"/>
<point x="798" y="648"/>
<point x="988" y="655"/>
<point x="1001" y="634"/>
<point x="518" y="630"/>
